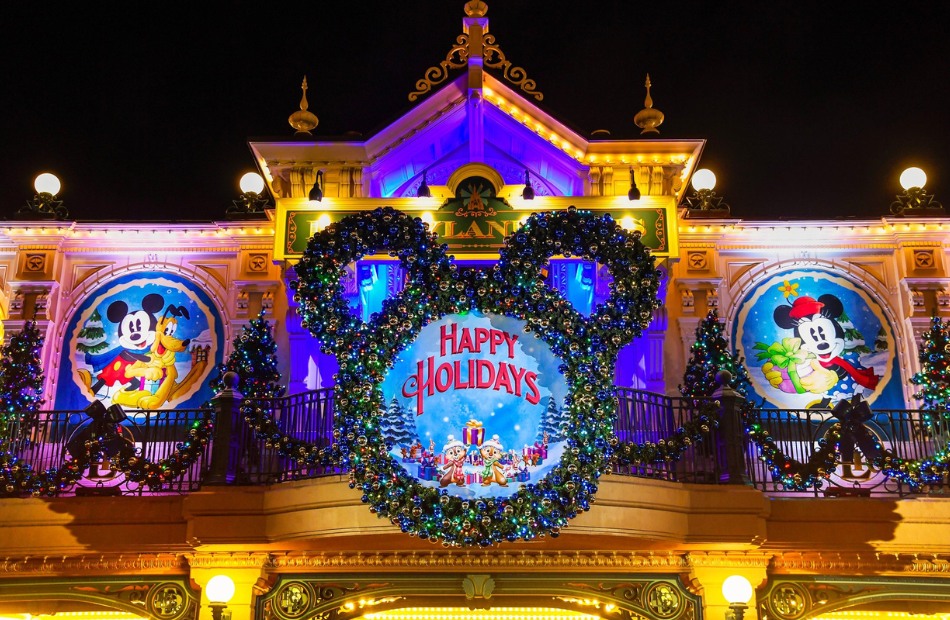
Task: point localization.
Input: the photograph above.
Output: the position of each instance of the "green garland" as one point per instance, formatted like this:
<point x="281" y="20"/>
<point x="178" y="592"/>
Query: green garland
<point x="18" y="478"/>
<point x="791" y="474"/>
<point x="670" y="449"/>
<point x="436" y="288"/>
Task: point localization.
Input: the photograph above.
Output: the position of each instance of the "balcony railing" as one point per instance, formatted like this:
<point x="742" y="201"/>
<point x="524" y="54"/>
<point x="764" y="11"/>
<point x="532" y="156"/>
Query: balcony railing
<point x="51" y="438"/>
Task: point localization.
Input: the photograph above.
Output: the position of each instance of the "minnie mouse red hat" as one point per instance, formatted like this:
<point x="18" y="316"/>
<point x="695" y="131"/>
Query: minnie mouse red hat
<point x="805" y="306"/>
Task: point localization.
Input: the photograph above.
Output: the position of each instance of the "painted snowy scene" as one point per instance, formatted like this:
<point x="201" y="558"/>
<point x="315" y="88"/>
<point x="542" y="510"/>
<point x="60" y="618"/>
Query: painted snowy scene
<point x="475" y="406"/>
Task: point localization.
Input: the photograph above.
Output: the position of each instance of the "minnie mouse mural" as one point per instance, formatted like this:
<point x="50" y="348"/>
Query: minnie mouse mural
<point x="817" y="347"/>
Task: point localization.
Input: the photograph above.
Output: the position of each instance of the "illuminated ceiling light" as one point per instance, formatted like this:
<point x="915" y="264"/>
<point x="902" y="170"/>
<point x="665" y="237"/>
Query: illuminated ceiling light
<point x="316" y="192"/>
<point x="427" y="218"/>
<point x="910" y="178"/>
<point x="704" y="179"/>
<point x="251" y="183"/>
<point x="634" y="193"/>
<point x="528" y="193"/>
<point x="48" y="183"/>
<point x="323" y="221"/>
<point x="424" y="191"/>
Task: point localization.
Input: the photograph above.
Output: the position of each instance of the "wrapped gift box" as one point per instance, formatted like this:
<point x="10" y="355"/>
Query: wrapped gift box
<point x="473" y="478"/>
<point x="473" y="434"/>
<point x="523" y="476"/>
<point x="427" y="472"/>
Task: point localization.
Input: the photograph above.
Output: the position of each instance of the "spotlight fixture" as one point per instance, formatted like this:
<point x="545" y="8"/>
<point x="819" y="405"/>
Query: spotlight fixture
<point x="316" y="192"/>
<point x="634" y="193"/>
<point x="528" y="193"/>
<point x="915" y="200"/>
<point x="424" y="191"/>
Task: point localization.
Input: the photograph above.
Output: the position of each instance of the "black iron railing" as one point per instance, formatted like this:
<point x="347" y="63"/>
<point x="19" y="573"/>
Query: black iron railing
<point x="46" y="441"/>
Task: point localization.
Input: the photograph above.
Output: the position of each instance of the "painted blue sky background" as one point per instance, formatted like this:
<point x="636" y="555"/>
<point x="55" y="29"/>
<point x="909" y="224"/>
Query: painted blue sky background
<point x="510" y="417"/>
<point x="200" y="328"/>
<point x="755" y="323"/>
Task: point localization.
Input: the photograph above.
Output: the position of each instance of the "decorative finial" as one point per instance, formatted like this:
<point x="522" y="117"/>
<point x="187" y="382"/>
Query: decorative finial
<point x="302" y="120"/>
<point x="648" y="119"/>
<point x="476" y="8"/>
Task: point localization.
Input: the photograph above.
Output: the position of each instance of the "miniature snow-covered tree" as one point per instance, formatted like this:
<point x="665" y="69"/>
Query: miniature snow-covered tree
<point x="552" y="422"/>
<point x="397" y="426"/>
<point x="710" y="354"/>
<point x="92" y="336"/>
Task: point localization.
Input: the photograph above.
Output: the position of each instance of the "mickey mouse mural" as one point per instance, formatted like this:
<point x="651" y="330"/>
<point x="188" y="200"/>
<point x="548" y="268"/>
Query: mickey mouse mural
<point x="144" y="341"/>
<point x="816" y="338"/>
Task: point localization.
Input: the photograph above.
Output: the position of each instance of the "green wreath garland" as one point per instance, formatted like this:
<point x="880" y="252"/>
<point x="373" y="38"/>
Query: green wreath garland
<point x="18" y="478"/>
<point x="435" y="287"/>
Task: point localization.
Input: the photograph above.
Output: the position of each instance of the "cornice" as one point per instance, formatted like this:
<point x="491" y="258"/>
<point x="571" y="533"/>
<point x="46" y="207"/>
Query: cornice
<point x="229" y="560"/>
<point x="477" y="560"/>
<point x="729" y="559"/>
<point x="871" y="562"/>
<point x="120" y="563"/>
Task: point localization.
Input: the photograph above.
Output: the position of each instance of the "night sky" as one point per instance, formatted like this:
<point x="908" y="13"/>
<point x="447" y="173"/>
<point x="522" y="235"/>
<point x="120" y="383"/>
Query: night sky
<point x="144" y="110"/>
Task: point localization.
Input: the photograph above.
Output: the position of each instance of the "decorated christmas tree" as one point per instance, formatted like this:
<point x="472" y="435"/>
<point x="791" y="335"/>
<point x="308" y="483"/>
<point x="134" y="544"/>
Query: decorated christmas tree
<point x="710" y="354"/>
<point x="254" y="359"/>
<point x="92" y="337"/>
<point x="552" y="422"/>
<point x="934" y="375"/>
<point x="21" y="378"/>
<point x="397" y="425"/>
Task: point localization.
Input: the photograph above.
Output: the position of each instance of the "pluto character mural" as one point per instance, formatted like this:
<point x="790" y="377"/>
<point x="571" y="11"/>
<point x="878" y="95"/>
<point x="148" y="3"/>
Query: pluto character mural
<point x="146" y="341"/>
<point x="811" y="338"/>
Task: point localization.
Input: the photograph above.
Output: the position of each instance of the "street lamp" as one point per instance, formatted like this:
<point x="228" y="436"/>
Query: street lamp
<point x="316" y="192"/>
<point x="738" y="592"/>
<point x="634" y="194"/>
<point x="914" y="200"/>
<point x="704" y="198"/>
<point x="220" y="590"/>
<point x="251" y="203"/>
<point x="44" y="205"/>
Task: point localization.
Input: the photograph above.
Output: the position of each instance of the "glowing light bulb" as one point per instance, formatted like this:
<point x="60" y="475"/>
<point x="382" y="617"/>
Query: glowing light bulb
<point x="913" y="177"/>
<point x="47" y="183"/>
<point x="220" y="589"/>
<point x="737" y="590"/>
<point x="252" y="182"/>
<point x="703" y="179"/>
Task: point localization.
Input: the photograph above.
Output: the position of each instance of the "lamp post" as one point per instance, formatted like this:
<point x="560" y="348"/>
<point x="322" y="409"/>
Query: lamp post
<point x="220" y="590"/>
<point x="738" y="592"/>
<point x="44" y="205"/>
<point x="704" y="199"/>
<point x="914" y="200"/>
<point x="252" y="201"/>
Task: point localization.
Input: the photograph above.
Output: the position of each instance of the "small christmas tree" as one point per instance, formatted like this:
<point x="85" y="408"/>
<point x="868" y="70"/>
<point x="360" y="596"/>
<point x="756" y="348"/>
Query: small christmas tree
<point x="552" y="422"/>
<point x="880" y="343"/>
<point x="21" y="378"/>
<point x="710" y="354"/>
<point x="397" y="426"/>
<point x="92" y="337"/>
<point x="934" y="375"/>
<point x="254" y="359"/>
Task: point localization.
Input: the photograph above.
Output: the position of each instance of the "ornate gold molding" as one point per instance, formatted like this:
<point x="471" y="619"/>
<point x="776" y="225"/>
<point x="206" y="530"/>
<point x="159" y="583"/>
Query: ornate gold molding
<point x="143" y="562"/>
<point x="495" y="59"/>
<point x="904" y="563"/>
<point x="229" y="560"/>
<point x="474" y="560"/>
<point x="729" y="559"/>
<point x="456" y="58"/>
